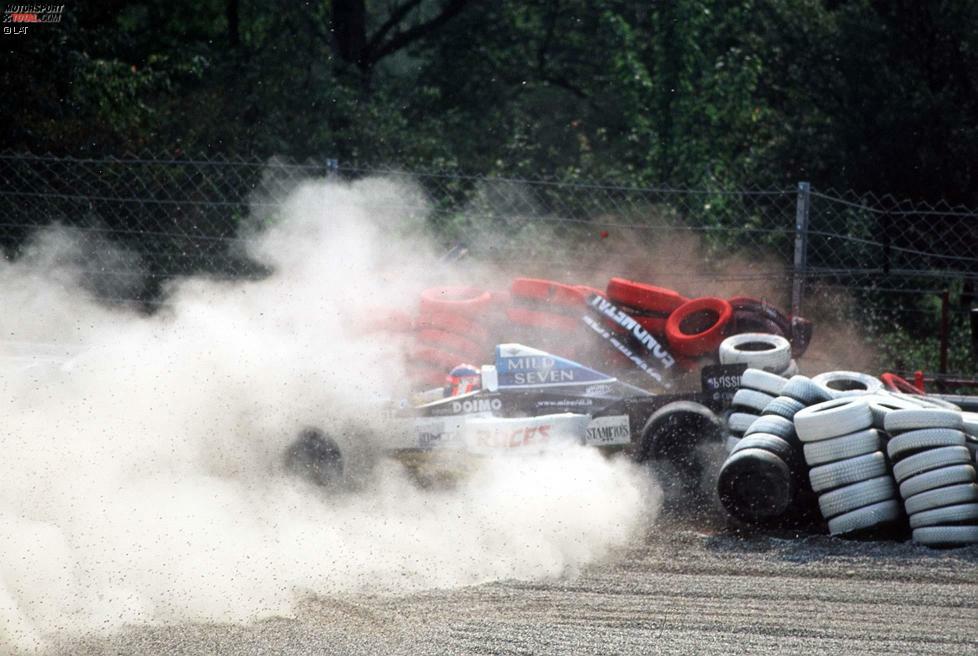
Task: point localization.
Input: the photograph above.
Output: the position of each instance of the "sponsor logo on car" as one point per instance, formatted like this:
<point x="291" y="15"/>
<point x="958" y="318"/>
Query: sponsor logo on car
<point x="470" y="406"/>
<point x="513" y="438"/>
<point x="605" y="431"/>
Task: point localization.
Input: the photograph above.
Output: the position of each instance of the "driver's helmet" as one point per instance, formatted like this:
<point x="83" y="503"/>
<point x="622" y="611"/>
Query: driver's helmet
<point x="463" y="379"/>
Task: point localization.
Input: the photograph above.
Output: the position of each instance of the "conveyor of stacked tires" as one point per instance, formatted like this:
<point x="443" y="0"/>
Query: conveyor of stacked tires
<point x="874" y="461"/>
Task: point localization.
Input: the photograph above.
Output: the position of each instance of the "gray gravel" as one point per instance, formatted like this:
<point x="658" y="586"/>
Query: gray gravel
<point x="682" y="591"/>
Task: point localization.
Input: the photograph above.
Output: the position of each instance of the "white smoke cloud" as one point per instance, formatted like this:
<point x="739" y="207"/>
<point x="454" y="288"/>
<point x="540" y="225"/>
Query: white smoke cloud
<point x="142" y="481"/>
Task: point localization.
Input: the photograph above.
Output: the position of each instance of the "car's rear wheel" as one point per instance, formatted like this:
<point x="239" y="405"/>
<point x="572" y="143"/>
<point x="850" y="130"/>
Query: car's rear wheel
<point x="315" y="457"/>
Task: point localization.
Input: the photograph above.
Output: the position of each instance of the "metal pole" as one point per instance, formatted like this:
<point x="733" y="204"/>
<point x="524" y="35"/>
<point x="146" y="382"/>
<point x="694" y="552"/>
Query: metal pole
<point x="945" y="331"/>
<point x="802" y="210"/>
<point x="974" y="337"/>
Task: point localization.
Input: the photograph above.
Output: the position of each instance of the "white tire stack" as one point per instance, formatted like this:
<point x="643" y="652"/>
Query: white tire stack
<point x="757" y="389"/>
<point x="849" y="470"/>
<point x="935" y="471"/>
<point x="765" y="470"/>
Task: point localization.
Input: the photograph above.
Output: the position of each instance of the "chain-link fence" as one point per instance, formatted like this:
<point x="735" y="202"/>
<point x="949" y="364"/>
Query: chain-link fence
<point x="910" y="268"/>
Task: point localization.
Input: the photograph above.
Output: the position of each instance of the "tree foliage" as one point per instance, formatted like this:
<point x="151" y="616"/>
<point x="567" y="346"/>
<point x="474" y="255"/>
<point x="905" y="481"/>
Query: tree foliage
<point x="861" y="94"/>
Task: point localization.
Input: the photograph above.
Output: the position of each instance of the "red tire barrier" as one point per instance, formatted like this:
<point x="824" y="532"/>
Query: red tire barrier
<point x="657" y="300"/>
<point x="547" y="292"/>
<point x="467" y="301"/>
<point x="896" y="383"/>
<point x="697" y="327"/>
<point x="452" y="343"/>
<point x="437" y="358"/>
<point x="453" y="323"/>
<point x="549" y="320"/>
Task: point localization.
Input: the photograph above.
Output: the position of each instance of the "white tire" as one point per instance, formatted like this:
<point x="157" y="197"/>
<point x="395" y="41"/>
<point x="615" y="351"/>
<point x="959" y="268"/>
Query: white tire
<point x="801" y="388"/>
<point x="937" y="478"/>
<point x="940" y="497"/>
<point x="900" y="421"/>
<point x="773" y="425"/>
<point x="865" y="517"/>
<point x="792" y="370"/>
<point x="731" y="443"/>
<point x="757" y="350"/>
<point x="905" y="444"/>
<point x="883" y="404"/>
<point x="919" y="463"/>
<point x="739" y="422"/>
<point x="783" y="406"/>
<point x="965" y="512"/>
<point x="846" y="472"/>
<point x="843" y="447"/>
<point x="848" y="383"/>
<point x="946" y="536"/>
<point x="767" y="442"/>
<point x="748" y="399"/>
<point x="763" y="381"/>
<point x="938" y="402"/>
<point x="857" y="495"/>
<point x="832" y="419"/>
<point x="970" y="422"/>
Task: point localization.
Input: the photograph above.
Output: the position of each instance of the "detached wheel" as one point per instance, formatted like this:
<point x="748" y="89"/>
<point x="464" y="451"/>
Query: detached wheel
<point x="315" y="457"/>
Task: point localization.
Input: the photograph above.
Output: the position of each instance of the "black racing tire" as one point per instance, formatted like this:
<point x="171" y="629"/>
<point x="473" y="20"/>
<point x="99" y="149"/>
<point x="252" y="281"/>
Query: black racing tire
<point x="755" y="486"/>
<point x="315" y="457"/>
<point x="675" y="431"/>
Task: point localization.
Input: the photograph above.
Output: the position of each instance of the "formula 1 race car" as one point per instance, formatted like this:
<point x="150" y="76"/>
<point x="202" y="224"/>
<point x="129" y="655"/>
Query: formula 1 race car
<point x="527" y="401"/>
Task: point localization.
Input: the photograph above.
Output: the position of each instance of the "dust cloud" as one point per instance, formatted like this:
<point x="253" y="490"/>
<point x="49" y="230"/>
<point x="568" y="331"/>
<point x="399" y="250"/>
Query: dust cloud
<point x="143" y="478"/>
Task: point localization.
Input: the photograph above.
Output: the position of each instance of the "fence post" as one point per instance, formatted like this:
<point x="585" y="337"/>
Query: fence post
<point x="802" y="210"/>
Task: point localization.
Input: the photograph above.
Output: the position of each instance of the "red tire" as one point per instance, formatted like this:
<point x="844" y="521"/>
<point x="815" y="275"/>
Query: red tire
<point x="548" y="320"/>
<point x="437" y="358"/>
<point x="467" y="301"/>
<point x="647" y="298"/>
<point x="378" y="320"/>
<point x="453" y="323"/>
<point x="654" y="325"/>
<point x="896" y="383"/>
<point x="547" y="292"/>
<point x="696" y="328"/>
<point x="587" y="291"/>
<point x="421" y="375"/>
<point x="452" y="343"/>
